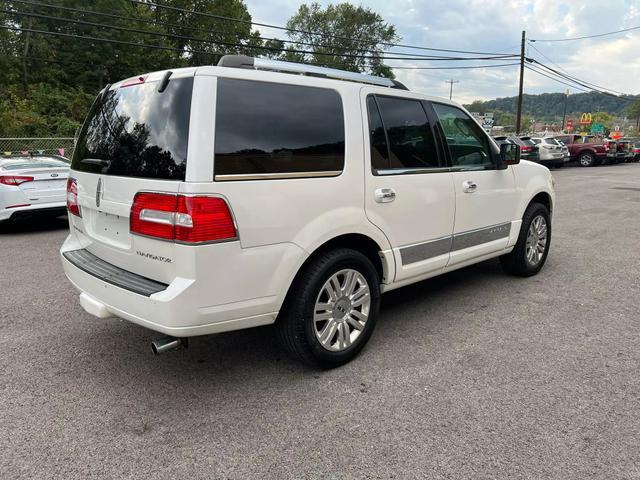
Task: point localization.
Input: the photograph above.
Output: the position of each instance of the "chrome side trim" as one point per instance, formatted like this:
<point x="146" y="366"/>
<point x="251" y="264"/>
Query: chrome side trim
<point x="479" y="236"/>
<point x="275" y="176"/>
<point x="409" y="171"/>
<point x="423" y="251"/>
<point x="451" y="243"/>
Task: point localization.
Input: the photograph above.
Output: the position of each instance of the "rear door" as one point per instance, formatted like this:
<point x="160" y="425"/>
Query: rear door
<point x="409" y="191"/>
<point x="485" y="197"/>
<point x="134" y="139"/>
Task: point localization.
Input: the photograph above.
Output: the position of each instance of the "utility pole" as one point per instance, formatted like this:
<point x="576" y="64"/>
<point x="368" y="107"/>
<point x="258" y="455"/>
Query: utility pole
<point x="519" y="111"/>
<point x="451" y="82"/>
<point x="564" y="113"/>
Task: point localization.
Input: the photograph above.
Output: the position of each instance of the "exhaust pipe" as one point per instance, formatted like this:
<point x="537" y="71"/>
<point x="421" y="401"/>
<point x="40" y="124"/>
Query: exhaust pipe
<point x="166" y="344"/>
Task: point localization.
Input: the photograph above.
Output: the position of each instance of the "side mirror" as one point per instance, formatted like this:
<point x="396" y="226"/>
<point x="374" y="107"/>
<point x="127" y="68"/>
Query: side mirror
<point x="509" y="154"/>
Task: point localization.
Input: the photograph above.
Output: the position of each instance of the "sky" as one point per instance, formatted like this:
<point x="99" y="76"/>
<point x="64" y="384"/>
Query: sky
<point x="496" y="26"/>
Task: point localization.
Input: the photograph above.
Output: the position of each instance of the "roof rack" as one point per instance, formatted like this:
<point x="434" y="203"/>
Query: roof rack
<point x="242" y="61"/>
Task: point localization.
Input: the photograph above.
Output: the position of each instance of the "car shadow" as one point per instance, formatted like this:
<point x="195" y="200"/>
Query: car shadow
<point x="246" y="355"/>
<point x="34" y="223"/>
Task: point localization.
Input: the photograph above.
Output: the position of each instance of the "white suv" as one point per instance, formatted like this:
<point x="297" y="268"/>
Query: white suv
<point x="224" y="197"/>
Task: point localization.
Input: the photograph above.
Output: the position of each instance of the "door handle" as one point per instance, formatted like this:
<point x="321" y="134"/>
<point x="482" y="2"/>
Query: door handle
<point x="385" y="195"/>
<point x="469" y="186"/>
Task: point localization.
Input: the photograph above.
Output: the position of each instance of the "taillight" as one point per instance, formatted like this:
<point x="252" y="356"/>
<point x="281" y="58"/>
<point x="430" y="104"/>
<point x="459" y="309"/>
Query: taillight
<point x="182" y="218"/>
<point x="72" y="197"/>
<point x="14" y="180"/>
<point x="525" y="148"/>
<point x="606" y="147"/>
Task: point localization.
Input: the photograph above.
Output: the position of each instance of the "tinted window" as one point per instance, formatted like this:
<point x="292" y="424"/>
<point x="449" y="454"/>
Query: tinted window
<point x="411" y="141"/>
<point x="136" y="131"/>
<point x="377" y="136"/>
<point x="275" y="128"/>
<point x="468" y="143"/>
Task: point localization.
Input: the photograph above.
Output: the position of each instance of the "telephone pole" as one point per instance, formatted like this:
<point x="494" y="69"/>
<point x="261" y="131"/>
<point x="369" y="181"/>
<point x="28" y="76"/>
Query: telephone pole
<point x="519" y="111"/>
<point x="451" y="82"/>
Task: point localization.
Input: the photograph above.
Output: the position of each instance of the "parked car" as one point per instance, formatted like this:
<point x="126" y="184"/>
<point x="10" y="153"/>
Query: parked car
<point x="550" y="151"/>
<point x="565" y="151"/>
<point x="588" y="150"/>
<point x="246" y="193"/>
<point x="32" y="184"/>
<point x="634" y="146"/>
<point x="624" y="151"/>
<point x="527" y="151"/>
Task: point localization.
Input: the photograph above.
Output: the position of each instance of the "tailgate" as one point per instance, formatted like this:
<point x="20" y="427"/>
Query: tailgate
<point x="134" y="139"/>
<point x="105" y="203"/>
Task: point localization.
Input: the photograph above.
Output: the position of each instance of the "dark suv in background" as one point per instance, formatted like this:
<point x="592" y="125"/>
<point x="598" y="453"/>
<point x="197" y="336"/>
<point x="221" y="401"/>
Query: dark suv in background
<point x="528" y="150"/>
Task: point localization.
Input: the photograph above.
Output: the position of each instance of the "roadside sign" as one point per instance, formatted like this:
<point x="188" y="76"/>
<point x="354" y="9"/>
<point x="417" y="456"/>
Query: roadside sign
<point x="586" y="119"/>
<point x="616" y="135"/>
<point x="570" y="124"/>
<point x="597" y="128"/>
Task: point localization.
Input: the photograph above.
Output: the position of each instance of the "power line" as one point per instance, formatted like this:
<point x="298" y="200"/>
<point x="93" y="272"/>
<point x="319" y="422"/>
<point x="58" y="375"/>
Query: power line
<point x="279" y="27"/>
<point x="185" y="37"/>
<point x="453" y="68"/>
<point x="190" y="50"/>
<point x="586" y="36"/>
<point x="202" y="40"/>
<point x="529" y="67"/>
<point x="579" y="81"/>
<point x="569" y="75"/>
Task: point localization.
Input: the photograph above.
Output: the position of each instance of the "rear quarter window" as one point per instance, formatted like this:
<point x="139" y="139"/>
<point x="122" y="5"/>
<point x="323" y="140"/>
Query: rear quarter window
<point x="271" y="130"/>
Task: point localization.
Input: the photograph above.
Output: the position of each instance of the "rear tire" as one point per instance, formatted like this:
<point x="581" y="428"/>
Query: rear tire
<point x="586" y="159"/>
<point x="531" y="250"/>
<point x="331" y="309"/>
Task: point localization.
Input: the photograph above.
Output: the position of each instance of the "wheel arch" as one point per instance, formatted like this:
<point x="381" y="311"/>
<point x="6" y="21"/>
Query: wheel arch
<point x="544" y="198"/>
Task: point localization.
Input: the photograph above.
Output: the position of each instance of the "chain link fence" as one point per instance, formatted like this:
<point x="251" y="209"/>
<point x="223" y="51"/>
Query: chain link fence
<point x="37" y="146"/>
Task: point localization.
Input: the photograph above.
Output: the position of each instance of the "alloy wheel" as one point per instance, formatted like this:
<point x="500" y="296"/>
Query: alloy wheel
<point x="536" y="240"/>
<point x="341" y="310"/>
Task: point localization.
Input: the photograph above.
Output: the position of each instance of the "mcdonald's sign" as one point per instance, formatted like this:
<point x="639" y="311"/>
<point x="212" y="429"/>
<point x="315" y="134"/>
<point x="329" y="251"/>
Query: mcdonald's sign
<point x="586" y="119"/>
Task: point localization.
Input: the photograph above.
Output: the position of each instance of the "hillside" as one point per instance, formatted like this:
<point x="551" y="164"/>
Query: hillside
<point x="549" y="105"/>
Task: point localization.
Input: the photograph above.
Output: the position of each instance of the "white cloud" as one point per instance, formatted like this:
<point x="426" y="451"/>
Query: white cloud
<point x="495" y="26"/>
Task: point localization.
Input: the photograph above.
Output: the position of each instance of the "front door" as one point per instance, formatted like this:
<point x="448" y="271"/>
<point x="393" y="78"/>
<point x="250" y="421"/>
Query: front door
<point x="485" y="195"/>
<point x="409" y="189"/>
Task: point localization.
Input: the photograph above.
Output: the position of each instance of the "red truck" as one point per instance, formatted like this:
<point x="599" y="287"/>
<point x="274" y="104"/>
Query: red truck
<point x="588" y="150"/>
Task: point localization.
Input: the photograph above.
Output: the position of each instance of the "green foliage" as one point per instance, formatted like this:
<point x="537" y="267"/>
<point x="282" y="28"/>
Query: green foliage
<point x="550" y="106"/>
<point x="339" y="31"/>
<point x="48" y="82"/>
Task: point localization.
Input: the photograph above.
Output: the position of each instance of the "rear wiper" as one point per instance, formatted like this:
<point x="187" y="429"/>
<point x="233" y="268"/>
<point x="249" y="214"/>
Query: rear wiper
<point x="165" y="81"/>
<point x="96" y="161"/>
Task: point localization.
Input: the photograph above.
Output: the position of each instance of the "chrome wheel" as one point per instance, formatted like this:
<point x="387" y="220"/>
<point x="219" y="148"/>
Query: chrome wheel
<point x="586" y="160"/>
<point x="536" y="240"/>
<point x="341" y="310"/>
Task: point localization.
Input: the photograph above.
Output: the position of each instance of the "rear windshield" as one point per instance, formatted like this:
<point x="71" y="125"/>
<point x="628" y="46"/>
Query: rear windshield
<point x="136" y="131"/>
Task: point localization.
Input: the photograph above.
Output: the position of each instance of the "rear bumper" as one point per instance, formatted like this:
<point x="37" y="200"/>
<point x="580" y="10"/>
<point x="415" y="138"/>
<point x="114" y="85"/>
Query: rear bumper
<point x="182" y="309"/>
<point x="55" y="208"/>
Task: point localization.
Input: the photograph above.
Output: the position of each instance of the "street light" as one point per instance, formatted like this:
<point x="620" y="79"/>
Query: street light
<point x="564" y="114"/>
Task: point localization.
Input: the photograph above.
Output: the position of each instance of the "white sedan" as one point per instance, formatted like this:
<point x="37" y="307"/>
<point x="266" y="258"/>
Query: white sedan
<point x="32" y="184"/>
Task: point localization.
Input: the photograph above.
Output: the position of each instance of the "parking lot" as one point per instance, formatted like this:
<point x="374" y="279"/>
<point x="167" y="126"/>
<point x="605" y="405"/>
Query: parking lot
<point x="471" y="375"/>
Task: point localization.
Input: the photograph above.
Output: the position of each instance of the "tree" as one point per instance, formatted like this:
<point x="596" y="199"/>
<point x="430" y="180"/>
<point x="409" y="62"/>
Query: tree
<point x="341" y="36"/>
<point x="633" y="111"/>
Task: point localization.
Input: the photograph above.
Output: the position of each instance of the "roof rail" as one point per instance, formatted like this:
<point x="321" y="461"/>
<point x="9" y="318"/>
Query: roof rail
<point x="242" y="61"/>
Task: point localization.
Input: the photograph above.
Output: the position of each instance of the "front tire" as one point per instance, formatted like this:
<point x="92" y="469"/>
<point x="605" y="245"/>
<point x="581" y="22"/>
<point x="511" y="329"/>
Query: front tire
<point x="331" y="309"/>
<point x="531" y="250"/>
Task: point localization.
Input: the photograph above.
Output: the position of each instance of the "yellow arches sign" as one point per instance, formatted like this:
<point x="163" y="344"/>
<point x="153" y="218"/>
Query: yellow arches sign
<point x="586" y="119"/>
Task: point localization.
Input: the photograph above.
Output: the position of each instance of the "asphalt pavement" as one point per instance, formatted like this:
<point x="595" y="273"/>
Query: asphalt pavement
<point x="470" y="375"/>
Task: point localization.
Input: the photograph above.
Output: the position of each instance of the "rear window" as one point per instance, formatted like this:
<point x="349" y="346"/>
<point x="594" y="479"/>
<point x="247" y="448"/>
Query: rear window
<point x="136" y="131"/>
<point x="550" y="141"/>
<point x="277" y="129"/>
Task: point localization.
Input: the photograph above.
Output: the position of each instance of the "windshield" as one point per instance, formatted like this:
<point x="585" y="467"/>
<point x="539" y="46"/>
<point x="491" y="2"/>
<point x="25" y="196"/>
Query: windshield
<point x="136" y="131"/>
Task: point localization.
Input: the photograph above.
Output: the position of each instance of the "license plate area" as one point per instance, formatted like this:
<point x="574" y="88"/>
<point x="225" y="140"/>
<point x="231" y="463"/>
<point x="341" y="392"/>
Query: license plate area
<point x="111" y="229"/>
